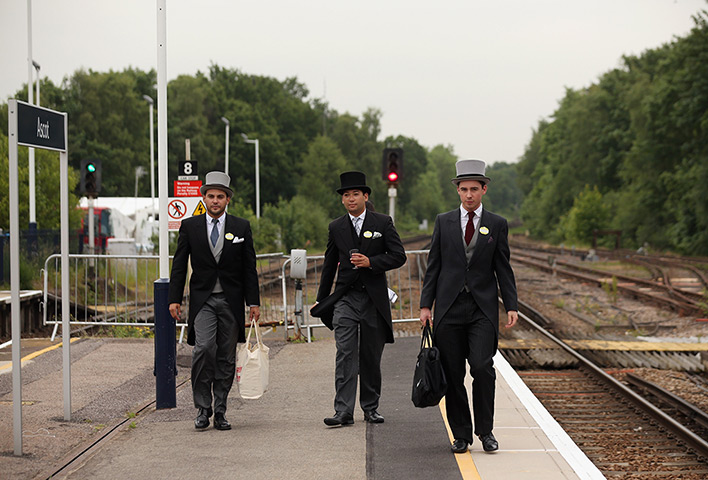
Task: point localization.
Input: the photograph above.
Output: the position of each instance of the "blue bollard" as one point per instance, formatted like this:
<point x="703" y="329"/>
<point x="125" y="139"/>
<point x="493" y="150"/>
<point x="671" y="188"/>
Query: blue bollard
<point x="165" y="348"/>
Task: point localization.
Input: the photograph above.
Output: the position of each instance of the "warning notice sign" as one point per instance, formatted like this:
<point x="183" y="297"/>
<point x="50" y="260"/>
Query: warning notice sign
<point x="181" y="208"/>
<point x="187" y="188"/>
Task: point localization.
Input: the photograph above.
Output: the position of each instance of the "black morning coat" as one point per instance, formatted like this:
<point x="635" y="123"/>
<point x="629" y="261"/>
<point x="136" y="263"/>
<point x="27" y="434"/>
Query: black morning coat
<point x="448" y="269"/>
<point x="380" y="242"/>
<point x="236" y="269"/>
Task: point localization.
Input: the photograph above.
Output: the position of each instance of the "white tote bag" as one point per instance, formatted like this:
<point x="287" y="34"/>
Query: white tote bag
<point x="252" y="365"/>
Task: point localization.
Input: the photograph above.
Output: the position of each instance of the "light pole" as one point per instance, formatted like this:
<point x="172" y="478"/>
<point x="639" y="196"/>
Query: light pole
<point x="139" y="172"/>
<point x="226" y="154"/>
<point x="37" y="68"/>
<point x="258" y="175"/>
<point x="32" y="173"/>
<point x="30" y="86"/>
<point x="150" y="101"/>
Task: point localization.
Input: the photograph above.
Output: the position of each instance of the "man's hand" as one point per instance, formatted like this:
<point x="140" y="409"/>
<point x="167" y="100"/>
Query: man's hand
<point x="426" y="316"/>
<point x="175" y="310"/>
<point x="360" y="261"/>
<point x="512" y="317"/>
<point x="254" y="313"/>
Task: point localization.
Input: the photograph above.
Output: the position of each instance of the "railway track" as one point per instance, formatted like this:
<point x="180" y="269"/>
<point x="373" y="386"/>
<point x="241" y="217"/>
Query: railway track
<point x="661" y="265"/>
<point x="660" y="294"/>
<point x="621" y="431"/>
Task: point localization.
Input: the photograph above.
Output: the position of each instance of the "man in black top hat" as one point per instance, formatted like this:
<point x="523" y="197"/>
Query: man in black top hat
<point x="469" y="256"/>
<point x="361" y="247"/>
<point x="224" y="279"/>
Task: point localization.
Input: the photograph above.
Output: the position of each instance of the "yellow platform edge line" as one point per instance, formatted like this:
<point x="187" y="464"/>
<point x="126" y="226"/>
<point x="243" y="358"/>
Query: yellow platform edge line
<point x="465" y="462"/>
<point x="38" y="353"/>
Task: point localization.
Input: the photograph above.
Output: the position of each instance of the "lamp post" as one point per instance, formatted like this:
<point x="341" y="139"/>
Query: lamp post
<point x="37" y="68"/>
<point x="30" y="85"/>
<point x="226" y="154"/>
<point x="150" y="101"/>
<point x="32" y="173"/>
<point x="139" y="172"/>
<point x="258" y="175"/>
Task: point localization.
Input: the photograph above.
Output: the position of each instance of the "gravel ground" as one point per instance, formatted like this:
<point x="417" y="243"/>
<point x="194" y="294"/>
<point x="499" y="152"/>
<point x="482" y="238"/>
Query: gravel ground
<point x="551" y="296"/>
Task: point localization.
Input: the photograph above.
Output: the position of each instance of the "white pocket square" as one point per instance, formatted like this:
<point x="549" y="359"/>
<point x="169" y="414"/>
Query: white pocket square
<point x="238" y="240"/>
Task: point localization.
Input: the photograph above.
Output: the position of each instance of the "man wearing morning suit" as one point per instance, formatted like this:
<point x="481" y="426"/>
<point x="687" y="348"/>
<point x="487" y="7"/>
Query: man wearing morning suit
<point x="362" y="314"/>
<point x="224" y="277"/>
<point x="469" y="256"/>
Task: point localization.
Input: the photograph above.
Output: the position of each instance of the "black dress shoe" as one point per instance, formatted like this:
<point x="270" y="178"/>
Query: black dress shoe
<point x="202" y="420"/>
<point x="373" y="416"/>
<point x="340" y="418"/>
<point x="459" y="446"/>
<point x="489" y="443"/>
<point x="220" y="422"/>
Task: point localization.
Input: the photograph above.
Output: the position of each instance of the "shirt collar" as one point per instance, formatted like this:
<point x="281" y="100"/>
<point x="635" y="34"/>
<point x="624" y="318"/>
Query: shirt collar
<point x="477" y="212"/>
<point x="362" y="216"/>
<point x="221" y="219"/>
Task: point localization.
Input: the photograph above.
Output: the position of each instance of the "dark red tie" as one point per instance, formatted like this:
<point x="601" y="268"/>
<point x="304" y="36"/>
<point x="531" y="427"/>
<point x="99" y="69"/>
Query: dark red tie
<point x="469" y="230"/>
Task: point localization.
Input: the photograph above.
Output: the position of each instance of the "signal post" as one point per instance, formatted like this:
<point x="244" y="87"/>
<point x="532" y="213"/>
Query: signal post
<point x="90" y="185"/>
<point x="392" y="170"/>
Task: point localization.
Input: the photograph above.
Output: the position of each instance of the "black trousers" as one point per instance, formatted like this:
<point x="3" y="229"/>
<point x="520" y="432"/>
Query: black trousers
<point x="465" y="334"/>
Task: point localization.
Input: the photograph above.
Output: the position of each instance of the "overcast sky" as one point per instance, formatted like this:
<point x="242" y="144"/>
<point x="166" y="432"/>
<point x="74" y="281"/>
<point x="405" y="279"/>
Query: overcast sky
<point x="476" y="75"/>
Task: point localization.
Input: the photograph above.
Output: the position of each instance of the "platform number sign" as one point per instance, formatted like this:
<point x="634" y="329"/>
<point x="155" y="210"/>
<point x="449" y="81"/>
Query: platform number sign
<point x="188" y="170"/>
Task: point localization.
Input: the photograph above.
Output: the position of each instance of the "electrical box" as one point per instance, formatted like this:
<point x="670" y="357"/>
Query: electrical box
<point x="298" y="264"/>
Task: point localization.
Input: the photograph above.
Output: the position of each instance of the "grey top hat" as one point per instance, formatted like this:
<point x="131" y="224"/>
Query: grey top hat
<point x="353" y="181"/>
<point x="470" y="170"/>
<point x="219" y="180"/>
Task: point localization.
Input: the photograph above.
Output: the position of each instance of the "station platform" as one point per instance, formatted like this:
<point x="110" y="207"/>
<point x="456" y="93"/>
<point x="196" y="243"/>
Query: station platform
<point x="281" y="435"/>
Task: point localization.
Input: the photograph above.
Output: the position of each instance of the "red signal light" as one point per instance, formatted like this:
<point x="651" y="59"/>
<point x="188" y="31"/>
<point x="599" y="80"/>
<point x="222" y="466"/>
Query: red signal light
<point x="392" y="177"/>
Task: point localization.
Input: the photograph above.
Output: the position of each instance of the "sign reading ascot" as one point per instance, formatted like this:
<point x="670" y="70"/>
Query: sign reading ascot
<point x="40" y="127"/>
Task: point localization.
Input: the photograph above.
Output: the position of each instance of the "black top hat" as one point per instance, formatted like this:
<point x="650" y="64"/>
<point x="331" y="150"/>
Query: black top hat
<point x="353" y="181"/>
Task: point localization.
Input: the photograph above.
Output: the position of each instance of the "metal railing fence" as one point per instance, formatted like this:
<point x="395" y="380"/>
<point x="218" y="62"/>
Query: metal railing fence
<point x="117" y="290"/>
<point x="405" y="281"/>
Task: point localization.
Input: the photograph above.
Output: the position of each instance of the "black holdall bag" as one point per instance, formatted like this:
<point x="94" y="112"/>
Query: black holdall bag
<point x="429" y="383"/>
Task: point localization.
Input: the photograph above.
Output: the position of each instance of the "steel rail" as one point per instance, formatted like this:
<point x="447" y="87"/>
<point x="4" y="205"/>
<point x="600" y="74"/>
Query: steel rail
<point x="687" y="408"/>
<point x="681" y="307"/>
<point x="690" y="439"/>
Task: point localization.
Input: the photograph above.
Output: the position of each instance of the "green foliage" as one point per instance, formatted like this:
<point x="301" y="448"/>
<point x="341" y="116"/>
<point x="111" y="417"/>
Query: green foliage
<point x="610" y="288"/>
<point x="47" y="188"/>
<point x="503" y="193"/>
<point x="304" y="145"/>
<point x="321" y="166"/>
<point x="587" y="214"/>
<point x="300" y="222"/>
<point x="639" y="136"/>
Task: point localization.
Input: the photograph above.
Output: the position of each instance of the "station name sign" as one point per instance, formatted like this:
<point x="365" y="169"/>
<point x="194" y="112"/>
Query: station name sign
<point x="40" y="127"/>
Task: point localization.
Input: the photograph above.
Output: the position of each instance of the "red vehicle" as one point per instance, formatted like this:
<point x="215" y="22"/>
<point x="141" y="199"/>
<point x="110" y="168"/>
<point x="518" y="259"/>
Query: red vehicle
<point x="102" y="228"/>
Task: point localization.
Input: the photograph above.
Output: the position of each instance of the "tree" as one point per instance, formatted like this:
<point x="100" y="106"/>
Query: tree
<point x="588" y="213"/>
<point x="47" y="192"/>
<point x="321" y="167"/>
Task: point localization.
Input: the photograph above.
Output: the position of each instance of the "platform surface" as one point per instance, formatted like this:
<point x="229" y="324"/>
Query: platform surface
<point x="282" y="435"/>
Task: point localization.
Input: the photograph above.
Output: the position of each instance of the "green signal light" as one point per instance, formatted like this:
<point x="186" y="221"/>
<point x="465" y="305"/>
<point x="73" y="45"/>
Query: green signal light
<point x="91" y="167"/>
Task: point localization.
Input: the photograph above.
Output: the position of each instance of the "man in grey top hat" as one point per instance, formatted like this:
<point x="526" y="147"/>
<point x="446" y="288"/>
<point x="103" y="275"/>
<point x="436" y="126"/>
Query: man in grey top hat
<point x="469" y="256"/>
<point x="361" y="247"/>
<point x="224" y="279"/>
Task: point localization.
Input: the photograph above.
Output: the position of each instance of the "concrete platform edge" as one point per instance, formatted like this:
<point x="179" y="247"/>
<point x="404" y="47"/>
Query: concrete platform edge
<point x="575" y="457"/>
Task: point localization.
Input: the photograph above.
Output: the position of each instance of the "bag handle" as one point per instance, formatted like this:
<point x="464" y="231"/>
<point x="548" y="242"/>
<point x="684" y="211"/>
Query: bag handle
<point x="427" y="336"/>
<point x="259" y="340"/>
<point x="258" y="333"/>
